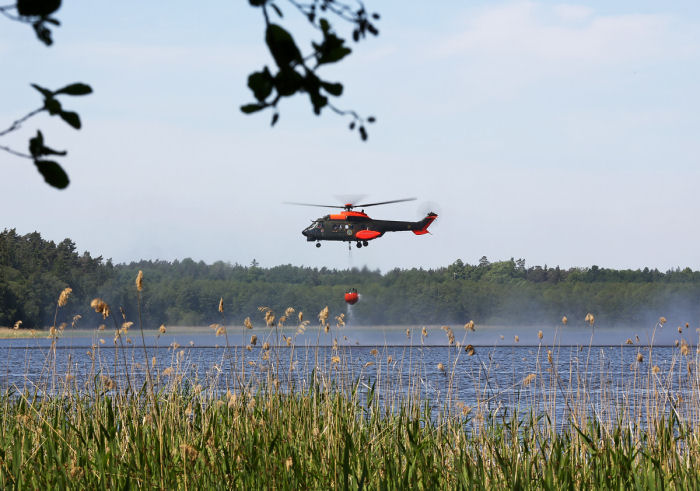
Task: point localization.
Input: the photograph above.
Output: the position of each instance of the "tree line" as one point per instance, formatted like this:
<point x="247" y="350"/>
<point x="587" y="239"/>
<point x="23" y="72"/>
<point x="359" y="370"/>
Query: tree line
<point x="34" y="271"/>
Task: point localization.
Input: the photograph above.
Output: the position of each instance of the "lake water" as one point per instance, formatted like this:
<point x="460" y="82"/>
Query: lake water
<point x="566" y="371"/>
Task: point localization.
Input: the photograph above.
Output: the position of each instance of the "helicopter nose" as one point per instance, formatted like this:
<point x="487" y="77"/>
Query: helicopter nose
<point x="305" y="233"/>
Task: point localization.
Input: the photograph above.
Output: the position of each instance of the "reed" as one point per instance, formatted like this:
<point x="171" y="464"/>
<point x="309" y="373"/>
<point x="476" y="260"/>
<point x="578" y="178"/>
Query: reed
<point x="283" y="414"/>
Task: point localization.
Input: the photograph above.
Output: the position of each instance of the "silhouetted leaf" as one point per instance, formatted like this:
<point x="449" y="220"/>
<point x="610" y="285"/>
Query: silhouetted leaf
<point x="276" y="9"/>
<point x="282" y="46"/>
<point x="257" y="3"/>
<point x="44" y="92"/>
<point x="371" y="119"/>
<point x="75" y="89"/>
<point x="251" y="108"/>
<point x="42" y="32"/>
<point x="352" y="125"/>
<point x="71" y="118"/>
<point x="331" y="50"/>
<point x="288" y="81"/>
<point x="37" y="8"/>
<point x="261" y="84"/>
<point x="37" y="147"/>
<point x="52" y="106"/>
<point x="53" y="174"/>
<point x="325" y="25"/>
<point x="335" y="89"/>
<point x="275" y="118"/>
<point x="363" y="133"/>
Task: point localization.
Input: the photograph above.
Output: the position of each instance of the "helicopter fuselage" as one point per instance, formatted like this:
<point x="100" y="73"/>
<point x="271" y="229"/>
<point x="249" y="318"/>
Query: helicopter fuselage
<point x="354" y="226"/>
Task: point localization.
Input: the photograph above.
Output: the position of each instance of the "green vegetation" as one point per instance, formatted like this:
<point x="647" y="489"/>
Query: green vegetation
<point x="331" y="429"/>
<point x="182" y="292"/>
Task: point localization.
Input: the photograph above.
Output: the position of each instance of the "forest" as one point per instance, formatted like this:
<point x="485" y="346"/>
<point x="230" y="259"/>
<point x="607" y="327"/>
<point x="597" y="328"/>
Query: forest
<point x="34" y="271"/>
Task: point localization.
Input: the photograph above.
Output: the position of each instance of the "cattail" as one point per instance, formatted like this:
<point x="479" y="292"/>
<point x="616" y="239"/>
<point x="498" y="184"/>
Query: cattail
<point x="680" y="329"/>
<point x="161" y="329"/>
<point x="655" y="369"/>
<point x="281" y="321"/>
<point x="139" y="281"/>
<point x="424" y="332"/>
<point x="63" y="297"/>
<point x="266" y="346"/>
<point x="662" y="320"/>
<point x="564" y="320"/>
<point x="168" y="371"/>
<point x="549" y="356"/>
<point x="469" y="349"/>
<point x="17" y="324"/>
<point x="389" y="359"/>
<point x="249" y="347"/>
<point x="101" y="327"/>
<point x="221" y="305"/>
<point x="469" y="326"/>
<point x="102" y="341"/>
<point x="408" y="333"/>
<point x="368" y="364"/>
<point x="269" y="318"/>
<point x="127" y="325"/>
<point x="528" y="379"/>
<point x="153" y="361"/>
<point x="76" y="318"/>
<point x="629" y="341"/>
<point x="640" y="358"/>
<point x="289" y="341"/>
<point x="540" y="335"/>
<point x="335" y="359"/>
<point x="247" y="323"/>
<point x="684" y="348"/>
<point x="687" y="325"/>
<point x="301" y="316"/>
<point x="220" y="331"/>
<point x="517" y="338"/>
<point x="441" y="367"/>
<point x="340" y="320"/>
<point x="374" y="352"/>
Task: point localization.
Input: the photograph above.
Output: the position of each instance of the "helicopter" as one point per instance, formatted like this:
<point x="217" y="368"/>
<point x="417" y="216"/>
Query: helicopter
<point x="356" y="226"/>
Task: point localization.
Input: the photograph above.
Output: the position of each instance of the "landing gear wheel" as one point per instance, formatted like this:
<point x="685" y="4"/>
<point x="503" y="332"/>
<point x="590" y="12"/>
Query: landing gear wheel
<point x="359" y="244"/>
<point x="365" y="243"/>
<point x="318" y="244"/>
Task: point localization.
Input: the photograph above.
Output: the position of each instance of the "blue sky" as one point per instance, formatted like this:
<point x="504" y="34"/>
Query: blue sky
<point x="563" y="133"/>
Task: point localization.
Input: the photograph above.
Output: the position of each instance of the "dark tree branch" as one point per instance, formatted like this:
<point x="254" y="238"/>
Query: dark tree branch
<point x="296" y="74"/>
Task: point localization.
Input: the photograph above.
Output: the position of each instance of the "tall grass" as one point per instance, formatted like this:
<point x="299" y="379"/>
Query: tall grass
<point x="280" y="414"/>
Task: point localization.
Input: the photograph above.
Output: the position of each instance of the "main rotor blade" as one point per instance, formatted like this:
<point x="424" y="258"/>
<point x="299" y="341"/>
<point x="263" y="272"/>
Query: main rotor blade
<point x="386" y="202"/>
<point x="312" y="204"/>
